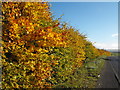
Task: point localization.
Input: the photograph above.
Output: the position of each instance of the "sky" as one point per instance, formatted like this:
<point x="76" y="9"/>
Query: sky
<point x="83" y="0"/>
<point x="61" y="0"/>
<point x="97" y="20"/>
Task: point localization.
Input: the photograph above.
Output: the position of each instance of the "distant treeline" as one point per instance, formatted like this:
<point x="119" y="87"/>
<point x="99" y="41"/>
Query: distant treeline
<point x="114" y="50"/>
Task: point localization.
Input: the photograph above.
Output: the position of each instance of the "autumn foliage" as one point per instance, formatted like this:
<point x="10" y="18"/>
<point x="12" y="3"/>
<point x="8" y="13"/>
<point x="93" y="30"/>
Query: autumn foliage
<point x="38" y="51"/>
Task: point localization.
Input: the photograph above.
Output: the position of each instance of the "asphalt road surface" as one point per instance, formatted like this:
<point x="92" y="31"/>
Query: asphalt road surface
<point x="110" y="75"/>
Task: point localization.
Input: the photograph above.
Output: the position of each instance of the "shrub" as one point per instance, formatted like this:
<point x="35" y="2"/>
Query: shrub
<point x="37" y="51"/>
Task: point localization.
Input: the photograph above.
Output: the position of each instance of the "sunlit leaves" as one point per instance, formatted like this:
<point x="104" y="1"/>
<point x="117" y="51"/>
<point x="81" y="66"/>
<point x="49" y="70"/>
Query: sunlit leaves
<point x="21" y="33"/>
<point x="38" y="51"/>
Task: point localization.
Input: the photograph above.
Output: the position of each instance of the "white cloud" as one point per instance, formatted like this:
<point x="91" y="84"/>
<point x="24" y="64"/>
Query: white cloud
<point x="114" y="45"/>
<point x="100" y="45"/>
<point x="106" y="46"/>
<point x="115" y="35"/>
<point x="88" y="39"/>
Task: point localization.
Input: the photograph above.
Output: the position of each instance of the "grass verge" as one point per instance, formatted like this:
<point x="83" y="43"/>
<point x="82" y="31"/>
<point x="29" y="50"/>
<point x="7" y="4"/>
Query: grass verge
<point x="115" y="54"/>
<point x="86" y="76"/>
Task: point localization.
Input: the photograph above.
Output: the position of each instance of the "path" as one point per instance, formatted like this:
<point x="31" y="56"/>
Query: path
<point x="110" y="74"/>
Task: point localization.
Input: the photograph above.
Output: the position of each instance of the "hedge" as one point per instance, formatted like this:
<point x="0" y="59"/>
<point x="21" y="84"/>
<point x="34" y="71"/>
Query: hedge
<point x="38" y="51"/>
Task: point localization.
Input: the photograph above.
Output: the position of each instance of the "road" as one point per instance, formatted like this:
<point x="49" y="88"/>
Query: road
<point x="115" y="62"/>
<point x="110" y="75"/>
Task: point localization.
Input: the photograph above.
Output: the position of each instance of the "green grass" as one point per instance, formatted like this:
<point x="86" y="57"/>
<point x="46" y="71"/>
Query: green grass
<point x="86" y="76"/>
<point x="115" y="54"/>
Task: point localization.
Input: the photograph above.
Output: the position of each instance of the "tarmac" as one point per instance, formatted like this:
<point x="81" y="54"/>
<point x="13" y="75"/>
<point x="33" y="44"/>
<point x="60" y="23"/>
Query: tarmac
<point x="108" y="77"/>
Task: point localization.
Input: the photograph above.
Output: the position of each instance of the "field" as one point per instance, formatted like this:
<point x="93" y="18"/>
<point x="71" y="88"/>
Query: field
<point x="116" y="54"/>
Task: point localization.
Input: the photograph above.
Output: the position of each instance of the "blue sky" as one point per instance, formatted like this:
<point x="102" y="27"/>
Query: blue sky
<point x="83" y="0"/>
<point x="97" y="20"/>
